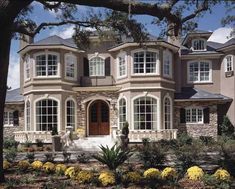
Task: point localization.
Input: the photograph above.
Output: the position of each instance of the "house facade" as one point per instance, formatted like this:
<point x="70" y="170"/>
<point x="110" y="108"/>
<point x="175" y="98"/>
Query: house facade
<point x="160" y="88"/>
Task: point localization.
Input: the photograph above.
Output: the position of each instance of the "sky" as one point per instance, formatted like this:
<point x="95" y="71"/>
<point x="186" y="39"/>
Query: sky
<point x="209" y="22"/>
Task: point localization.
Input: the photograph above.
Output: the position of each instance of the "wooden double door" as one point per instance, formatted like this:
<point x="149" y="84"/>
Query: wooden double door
<point x="99" y="118"/>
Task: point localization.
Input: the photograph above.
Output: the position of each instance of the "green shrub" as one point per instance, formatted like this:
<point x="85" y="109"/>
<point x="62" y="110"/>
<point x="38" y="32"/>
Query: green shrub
<point x="112" y="157"/>
<point x="184" y="138"/>
<point x="226" y="128"/>
<point x="210" y="180"/>
<point x="10" y="143"/>
<point x="151" y="155"/>
<point x="11" y="154"/>
<point x="39" y="143"/>
<point x="30" y="156"/>
<point x="207" y="140"/>
<point x="28" y="144"/>
<point x="83" y="158"/>
<point x="67" y="156"/>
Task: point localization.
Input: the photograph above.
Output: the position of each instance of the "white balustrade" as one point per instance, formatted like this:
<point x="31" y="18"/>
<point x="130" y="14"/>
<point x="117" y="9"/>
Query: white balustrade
<point x="32" y="136"/>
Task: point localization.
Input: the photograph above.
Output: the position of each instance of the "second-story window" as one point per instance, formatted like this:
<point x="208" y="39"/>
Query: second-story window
<point x="167" y="63"/>
<point x="145" y="62"/>
<point x="121" y="65"/>
<point x="70" y="66"/>
<point x="27" y="68"/>
<point x="47" y="64"/>
<point x="228" y="63"/>
<point x="96" y="66"/>
<point x="199" y="71"/>
<point x="199" y="44"/>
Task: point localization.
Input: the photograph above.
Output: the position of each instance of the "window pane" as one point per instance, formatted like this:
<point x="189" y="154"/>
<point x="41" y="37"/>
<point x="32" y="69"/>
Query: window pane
<point x="96" y="66"/>
<point x="122" y="113"/>
<point x="41" y="65"/>
<point x="70" y="114"/>
<point x="122" y="66"/>
<point x="52" y="65"/>
<point x="70" y="62"/>
<point x="150" y="62"/>
<point x="139" y="62"/>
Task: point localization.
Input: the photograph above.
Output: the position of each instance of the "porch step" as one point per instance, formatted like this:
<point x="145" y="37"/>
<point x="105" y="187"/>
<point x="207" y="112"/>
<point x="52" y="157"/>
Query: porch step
<point x="91" y="144"/>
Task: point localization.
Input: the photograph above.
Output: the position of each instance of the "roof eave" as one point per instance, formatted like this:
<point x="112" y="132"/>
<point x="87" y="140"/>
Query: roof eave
<point x="32" y="47"/>
<point x="202" y="99"/>
<point x="209" y="55"/>
<point x="133" y="44"/>
<point x="15" y="102"/>
<point x="207" y="34"/>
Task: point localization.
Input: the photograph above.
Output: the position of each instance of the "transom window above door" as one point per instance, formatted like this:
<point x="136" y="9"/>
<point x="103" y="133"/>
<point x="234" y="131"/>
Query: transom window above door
<point x="47" y="64"/>
<point x="199" y="72"/>
<point x="96" y="66"/>
<point x="145" y="62"/>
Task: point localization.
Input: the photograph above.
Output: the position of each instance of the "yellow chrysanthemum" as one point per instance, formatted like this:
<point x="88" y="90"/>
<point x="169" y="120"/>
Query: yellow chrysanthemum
<point x="6" y="165"/>
<point x="222" y="174"/>
<point x="48" y="167"/>
<point x="152" y="173"/>
<point x="84" y="176"/>
<point x="60" y="169"/>
<point x="132" y="177"/>
<point x="37" y="165"/>
<point x="169" y="173"/>
<point x="70" y="172"/>
<point x="23" y="164"/>
<point x="107" y="178"/>
<point x="195" y="173"/>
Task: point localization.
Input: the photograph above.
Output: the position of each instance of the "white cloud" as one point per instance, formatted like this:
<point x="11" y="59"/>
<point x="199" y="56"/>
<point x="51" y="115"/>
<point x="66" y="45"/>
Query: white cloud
<point x="13" y="79"/>
<point x="64" y="33"/>
<point x="221" y="35"/>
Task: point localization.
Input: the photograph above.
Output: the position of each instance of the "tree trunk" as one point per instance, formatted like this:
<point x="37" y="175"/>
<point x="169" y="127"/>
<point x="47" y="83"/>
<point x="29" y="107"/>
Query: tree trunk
<point x="9" y="10"/>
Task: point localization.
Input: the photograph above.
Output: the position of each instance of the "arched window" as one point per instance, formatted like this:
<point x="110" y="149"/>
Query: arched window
<point x="199" y="44"/>
<point x="167" y="113"/>
<point x="96" y="66"/>
<point x="70" y="66"/>
<point x="167" y="63"/>
<point x="47" y="64"/>
<point x="70" y="113"/>
<point x="122" y="112"/>
<point x="27" y="115"/>
<point x="46" y="114"/>
<point x="145" y="113"/>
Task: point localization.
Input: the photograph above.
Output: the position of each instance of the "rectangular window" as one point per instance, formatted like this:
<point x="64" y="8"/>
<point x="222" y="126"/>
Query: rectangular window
<point x="228" y="64"/>
<point x="70" y="66"/>
<point x="199" y="45"/>
<point x="145" y="62"/>
<point x="121" y="66"/>
<point x="8" y="119"/>
<point x="194" y="115"/>
<point x="199" y="71"/>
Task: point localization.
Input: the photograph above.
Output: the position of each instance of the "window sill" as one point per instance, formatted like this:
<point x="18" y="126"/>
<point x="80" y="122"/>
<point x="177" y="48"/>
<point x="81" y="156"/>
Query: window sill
<point x="228" y="73"/>
<point x="144" y="74"/>
<point x="122" y="77"/>
<point x="200" y="82"/>
<point x="47" y="77"/>
<point x="9" y="126"/>
<point x="196" y="123"/>
<point x="27" y="80"/>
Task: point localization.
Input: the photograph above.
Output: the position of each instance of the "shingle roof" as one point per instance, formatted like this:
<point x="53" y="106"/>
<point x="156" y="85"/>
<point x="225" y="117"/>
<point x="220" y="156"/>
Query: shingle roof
<point x="214" y="45"/>
<point x="14" y="96"/>
<point x="228" y="43"/>
<point x="56" y="40"/>
<point x="198" y="94"/>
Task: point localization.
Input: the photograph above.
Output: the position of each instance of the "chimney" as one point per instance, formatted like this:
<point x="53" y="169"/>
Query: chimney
<point x="25" y="40"/>
<point x="171" y="38"/>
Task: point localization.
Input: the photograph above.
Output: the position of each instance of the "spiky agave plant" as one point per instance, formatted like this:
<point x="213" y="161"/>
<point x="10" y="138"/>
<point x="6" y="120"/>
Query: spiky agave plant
<point x="113" y="157"/>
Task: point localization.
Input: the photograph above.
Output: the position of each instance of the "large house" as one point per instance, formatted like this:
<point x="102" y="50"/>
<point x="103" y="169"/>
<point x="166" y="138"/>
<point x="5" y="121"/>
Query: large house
<point x="160" y="87"/>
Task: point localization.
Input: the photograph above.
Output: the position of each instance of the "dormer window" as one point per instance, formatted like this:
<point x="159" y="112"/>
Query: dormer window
<point x="199" y="45"/>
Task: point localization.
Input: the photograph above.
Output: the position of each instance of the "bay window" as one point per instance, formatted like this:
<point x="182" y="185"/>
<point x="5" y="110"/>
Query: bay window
<point x="121" y="65"/>
<point x="145" y="62"/>
<point x="167" y="63"/>
<point x="70" y="66"/>
<point x="47" y="64"/>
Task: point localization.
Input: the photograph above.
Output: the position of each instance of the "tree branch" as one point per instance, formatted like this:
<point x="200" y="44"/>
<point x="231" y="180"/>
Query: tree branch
<point x="203" y="7"/>
<point x="49" y="5"/>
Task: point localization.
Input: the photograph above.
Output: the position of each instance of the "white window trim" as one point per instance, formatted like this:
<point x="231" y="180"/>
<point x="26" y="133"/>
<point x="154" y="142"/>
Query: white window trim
<point x="168" y="53"/>
<point x="194" y="107"/>
<point x="97" y="56"/>
<point x="75" y="66"/>
<point x="58" y="112"/>
<point x="205" y="44"/>
<point x="198" y="61"/>
<point x="145" y="74"/>
<point x="46" y="52"/>
<point x="225" y="62"/>
<point x="27" y="60"/>
<point x="8" y="125"/>
<point x="121" y="54"/>
<point x="25" y="114"/>
<point x="158" y="113"/>
<point x="171" y="111"/>
<point x="120" y="98"/>
<point x="75" y="103"/>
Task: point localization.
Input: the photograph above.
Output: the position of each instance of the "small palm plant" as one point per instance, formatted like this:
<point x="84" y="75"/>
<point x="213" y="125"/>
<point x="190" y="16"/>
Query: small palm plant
<point x="113" y="157"/>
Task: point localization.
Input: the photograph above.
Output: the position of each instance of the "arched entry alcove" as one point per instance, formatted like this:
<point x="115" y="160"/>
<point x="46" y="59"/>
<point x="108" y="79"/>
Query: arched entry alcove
<point x="98" y="120"/>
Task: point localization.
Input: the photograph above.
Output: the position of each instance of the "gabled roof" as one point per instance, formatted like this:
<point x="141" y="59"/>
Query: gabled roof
<point x="14" y="96"/>
<point x="190" y="93"/>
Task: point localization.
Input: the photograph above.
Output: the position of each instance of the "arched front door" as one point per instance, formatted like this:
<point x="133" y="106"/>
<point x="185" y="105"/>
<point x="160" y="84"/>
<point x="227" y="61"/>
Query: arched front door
<point x="99" y="118"/>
